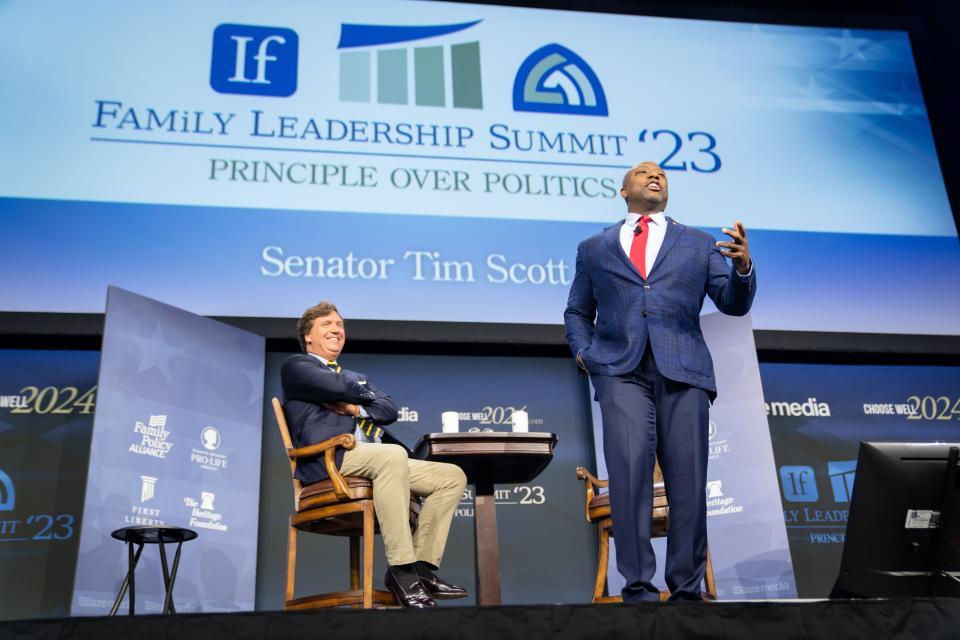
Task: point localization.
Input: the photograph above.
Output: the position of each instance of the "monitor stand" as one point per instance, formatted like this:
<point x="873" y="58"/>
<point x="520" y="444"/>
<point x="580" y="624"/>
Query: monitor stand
<point x="939" y="582"/>
<point x="945" y="581"/>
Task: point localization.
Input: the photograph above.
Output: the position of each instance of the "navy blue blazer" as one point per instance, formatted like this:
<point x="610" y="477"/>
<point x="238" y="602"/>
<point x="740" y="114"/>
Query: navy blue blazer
<point x="307" y="384"/>
<point x="612" y="311"/>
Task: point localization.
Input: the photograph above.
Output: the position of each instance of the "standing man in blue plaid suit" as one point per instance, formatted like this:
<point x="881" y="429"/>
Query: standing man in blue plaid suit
<point x="633" y="323"/>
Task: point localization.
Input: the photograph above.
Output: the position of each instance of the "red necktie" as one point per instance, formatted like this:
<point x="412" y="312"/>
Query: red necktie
<point x="638" y="250"/>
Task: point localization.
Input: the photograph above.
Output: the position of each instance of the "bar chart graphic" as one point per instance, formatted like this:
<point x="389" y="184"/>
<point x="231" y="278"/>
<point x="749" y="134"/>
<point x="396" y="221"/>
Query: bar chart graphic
<point x="372" y="68"/>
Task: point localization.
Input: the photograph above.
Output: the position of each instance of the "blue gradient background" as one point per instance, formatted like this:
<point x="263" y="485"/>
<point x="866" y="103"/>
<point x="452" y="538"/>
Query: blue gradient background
<point x="208" y="260"/>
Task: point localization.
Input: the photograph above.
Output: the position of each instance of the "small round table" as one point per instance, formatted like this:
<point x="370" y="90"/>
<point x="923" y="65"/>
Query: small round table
<point x="141" y="535"/>
<point x="489" y="459"/>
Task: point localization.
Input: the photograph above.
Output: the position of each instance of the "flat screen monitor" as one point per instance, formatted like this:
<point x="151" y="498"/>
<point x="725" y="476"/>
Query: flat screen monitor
<point x="903" y="537"/>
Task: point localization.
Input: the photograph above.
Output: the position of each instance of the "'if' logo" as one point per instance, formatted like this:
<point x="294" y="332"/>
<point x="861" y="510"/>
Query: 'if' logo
<point x="799" y="484"/>
<point x="251" y="60"/>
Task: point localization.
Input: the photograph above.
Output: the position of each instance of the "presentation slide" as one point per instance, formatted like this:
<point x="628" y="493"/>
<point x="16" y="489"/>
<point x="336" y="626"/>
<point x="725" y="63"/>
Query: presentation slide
<point x="434" y="161"/>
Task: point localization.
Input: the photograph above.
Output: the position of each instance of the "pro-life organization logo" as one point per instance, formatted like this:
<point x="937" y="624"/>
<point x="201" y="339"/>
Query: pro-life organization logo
<point x="554" y="79"/>
<point x="366" y="61"/>
<point x="718" y="446"/>
<point x="203" y="513"/>
<point x="253" y="60"/>
<point x="718" y="503"/>
<point x="153" y="437"/>
<point x="8" y="496"/>
<point x="207" y="457"/>
<point x="210" y="438"/>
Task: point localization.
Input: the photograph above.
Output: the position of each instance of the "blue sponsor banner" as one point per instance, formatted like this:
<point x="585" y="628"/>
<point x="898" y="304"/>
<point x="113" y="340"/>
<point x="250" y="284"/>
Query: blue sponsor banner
<point x="47" y="401"/>
<point x="818" y="415"/>
<point x="747" y="538"/>
<point x="176" y="441"/>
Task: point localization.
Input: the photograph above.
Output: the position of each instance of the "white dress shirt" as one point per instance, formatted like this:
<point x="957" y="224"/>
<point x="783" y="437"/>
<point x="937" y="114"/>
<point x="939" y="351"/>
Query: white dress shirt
<point x="657" y="228"/>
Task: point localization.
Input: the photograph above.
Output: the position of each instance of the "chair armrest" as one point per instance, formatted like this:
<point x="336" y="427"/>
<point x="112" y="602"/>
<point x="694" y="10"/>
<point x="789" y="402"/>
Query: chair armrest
<point x="329" y="448"/>
<point x="345" y="440"/>
<point x="591" y="479"/>
<point x="592" y="483"/>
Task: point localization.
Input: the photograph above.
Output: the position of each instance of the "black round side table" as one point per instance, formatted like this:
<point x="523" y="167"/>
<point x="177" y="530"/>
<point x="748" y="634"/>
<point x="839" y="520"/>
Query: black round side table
<point x="141" y="535"/>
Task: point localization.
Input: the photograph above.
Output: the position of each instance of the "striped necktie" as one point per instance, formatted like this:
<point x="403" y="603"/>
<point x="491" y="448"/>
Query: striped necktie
<point x="365" y="426"/>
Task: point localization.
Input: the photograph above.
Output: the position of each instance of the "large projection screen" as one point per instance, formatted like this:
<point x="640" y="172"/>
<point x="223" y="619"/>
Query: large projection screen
<point x="433" y="161"/>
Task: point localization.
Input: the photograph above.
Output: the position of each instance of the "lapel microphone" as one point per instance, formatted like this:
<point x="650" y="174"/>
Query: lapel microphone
<point x="637" y="230"/>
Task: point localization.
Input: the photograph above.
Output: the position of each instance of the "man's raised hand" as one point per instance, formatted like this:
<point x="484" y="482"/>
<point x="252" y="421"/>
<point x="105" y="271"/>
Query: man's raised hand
<point x="738" y="250"/>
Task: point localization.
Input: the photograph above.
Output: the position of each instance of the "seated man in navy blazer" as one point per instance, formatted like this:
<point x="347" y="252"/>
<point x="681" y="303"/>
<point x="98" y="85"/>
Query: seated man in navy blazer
<point x="322" y="401"/>
<point x="633" y="322"/>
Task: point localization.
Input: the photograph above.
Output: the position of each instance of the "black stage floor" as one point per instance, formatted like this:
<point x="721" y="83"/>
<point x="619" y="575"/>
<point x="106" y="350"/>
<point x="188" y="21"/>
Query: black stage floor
<point x="925" y="618"/>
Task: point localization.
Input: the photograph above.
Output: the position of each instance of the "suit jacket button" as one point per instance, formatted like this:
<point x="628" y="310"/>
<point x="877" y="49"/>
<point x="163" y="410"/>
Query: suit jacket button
<point x="644" y="314"/>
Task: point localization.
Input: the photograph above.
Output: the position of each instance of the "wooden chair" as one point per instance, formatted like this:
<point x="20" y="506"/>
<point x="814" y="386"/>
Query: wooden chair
<point x="340" y="506"/>
<point x="597" y="511"/>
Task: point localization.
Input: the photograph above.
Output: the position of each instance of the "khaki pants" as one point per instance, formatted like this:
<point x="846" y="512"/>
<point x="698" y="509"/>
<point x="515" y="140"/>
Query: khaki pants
<point x="394" y="476"/>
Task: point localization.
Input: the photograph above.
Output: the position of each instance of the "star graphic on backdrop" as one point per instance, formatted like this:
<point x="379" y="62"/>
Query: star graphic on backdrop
<point x="246" y="382"/>
<point x="904" y="98"/>
<point x="157" y="351"/>
<point x="814" y="91"/>
<point x="850" y="46"/>
<point x="236" y="367"/>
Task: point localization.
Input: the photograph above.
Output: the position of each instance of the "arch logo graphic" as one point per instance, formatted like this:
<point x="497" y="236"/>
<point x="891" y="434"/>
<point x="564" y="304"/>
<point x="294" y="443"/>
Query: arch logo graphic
<point x="554" y="79"/>
<point x="8" y="497"/>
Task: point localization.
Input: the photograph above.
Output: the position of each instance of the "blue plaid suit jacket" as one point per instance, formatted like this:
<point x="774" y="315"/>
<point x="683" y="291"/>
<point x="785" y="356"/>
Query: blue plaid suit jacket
<point x="611" y="310"/>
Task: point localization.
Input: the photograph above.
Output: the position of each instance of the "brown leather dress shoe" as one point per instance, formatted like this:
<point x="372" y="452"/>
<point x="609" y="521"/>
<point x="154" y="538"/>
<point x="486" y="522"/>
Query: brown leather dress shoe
<point x="408" y="590"/>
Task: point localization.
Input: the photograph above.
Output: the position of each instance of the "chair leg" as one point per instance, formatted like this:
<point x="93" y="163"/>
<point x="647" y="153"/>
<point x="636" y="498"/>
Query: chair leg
<point x="354" y="563"/>
<point x="291" y="563"/>
<point x="708" y="578"/>
<point x="368" y="538"/>
<point x="603" y="533"/>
